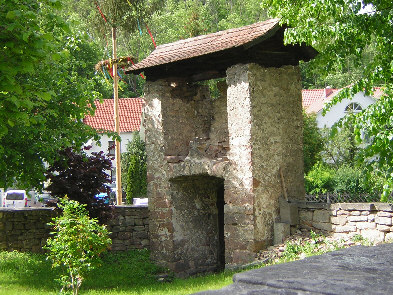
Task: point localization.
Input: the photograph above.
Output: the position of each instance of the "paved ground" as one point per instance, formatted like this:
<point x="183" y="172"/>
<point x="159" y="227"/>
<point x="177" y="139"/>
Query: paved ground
<point x="355" y="270"/>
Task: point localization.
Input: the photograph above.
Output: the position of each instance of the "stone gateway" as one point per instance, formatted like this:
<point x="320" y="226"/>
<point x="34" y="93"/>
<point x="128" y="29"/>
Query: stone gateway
<point x="214" y="180"/>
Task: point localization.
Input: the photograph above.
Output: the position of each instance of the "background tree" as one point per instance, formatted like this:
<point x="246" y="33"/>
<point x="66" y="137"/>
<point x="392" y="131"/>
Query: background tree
<point x="134" y="169"/>
<point x="81" y="177"/>
<point x="340" y="30"/>
<point x="46" y="88"/>
<point x="312" y="141"/>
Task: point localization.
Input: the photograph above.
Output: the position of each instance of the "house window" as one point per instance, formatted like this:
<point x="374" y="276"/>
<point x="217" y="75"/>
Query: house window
<point x="113" y="175"/>
<point x="353" y="107"/>
<point x="111" y="148"/>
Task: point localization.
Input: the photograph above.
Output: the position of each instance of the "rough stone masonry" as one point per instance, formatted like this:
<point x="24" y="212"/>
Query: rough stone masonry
<point x="213" y="165"/>
<point x="217" y="167"/>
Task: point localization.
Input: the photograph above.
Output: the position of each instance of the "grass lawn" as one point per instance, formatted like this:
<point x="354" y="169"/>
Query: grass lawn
<point x="133" y="273"/>
<point x="121" y="273"/>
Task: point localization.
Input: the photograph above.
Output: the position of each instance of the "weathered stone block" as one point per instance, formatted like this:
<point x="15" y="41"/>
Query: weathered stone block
<point x="354" y="213"/>
<point x="383" y="228"/>
<point x="384" y="214"/>
<point x="344" y="228"/>
<point x="373" y="235"/>
<point x="322" y="226"/>
<point x="305" y="215"/>
<point x="366" y="225"/>
<point x="281" y="231"/>
<point x="321" y="216"/>
<point x="383" y="220"/>
<point x="357" y="218"/>
<point x="339" y="220"/>
<point x="130" y="220"/>
<point x="342" y="212"/>
<point x="288" y="212"/>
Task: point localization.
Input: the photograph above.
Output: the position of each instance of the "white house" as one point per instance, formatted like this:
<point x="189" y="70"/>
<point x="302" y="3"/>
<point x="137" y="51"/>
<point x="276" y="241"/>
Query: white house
<point x="130" y="119"/>
<point x="315" y="99"/>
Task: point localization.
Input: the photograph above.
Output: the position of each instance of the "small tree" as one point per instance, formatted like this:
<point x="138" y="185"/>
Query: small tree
<point x="81" y="177"/>
<point x="76" y="244"/>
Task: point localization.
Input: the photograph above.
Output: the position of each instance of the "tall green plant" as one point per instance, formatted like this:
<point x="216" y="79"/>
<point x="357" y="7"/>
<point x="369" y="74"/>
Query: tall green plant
<point x="76" y="243"/>
<point x="134" y="168"/>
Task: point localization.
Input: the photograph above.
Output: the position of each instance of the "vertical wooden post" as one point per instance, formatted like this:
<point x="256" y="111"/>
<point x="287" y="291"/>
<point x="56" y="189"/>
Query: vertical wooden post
<point x="116" y="118"/>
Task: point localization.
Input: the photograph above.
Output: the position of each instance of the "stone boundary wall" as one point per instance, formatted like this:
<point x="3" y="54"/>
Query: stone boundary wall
<point x="26" y="229"/>
<point x="370" y="220"/>
<point x="129" y="228"/>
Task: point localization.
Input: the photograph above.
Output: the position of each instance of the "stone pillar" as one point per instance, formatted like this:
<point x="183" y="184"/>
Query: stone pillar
<point x="158" y="191"/>
<point x="265" y="133"/>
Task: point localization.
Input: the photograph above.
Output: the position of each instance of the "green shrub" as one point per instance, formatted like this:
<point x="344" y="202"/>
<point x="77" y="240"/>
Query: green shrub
<point x="76" y="244"/>
<point x="319" y="180"/>
<point x="351" y="180"/>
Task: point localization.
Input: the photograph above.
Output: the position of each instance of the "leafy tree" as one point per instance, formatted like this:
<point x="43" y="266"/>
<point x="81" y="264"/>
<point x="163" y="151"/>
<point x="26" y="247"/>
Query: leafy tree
<point x="76" y="243"/>
<point x="340" y="147"/>
<point x="81" y="177"/>
<point x="46" y="89"/>
<point x="134" y="168"/>
<point x="312" y="141"/>
<point x="340" y="30"/>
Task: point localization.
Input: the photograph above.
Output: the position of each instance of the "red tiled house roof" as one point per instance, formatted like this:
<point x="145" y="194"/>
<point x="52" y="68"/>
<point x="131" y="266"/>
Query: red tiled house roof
<point x="130" y="115"/>
<point x="313" y="100"/>
<point x="212" y="54"/>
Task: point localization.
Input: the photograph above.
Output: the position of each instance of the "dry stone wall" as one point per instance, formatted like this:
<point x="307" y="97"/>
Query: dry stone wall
<point x="26" y="229"/>
<point x="129" y="228"/>
<point x="370" y="220"/>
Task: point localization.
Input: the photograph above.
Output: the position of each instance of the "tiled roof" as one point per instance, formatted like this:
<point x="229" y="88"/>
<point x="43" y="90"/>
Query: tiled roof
<point x="313" y="100"/>
<point x="205" y="44"/>
<point x="130" y="115"/>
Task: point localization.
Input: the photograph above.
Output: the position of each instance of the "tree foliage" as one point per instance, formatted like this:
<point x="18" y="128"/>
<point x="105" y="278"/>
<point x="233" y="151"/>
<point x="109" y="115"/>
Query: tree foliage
<point x="343" y="29"/>
<point x="46" y="88"/>
<point x="81" y="177"/>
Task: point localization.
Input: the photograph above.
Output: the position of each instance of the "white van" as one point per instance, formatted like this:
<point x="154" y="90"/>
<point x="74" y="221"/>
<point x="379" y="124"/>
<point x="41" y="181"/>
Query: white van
<point x="15" y="199"/>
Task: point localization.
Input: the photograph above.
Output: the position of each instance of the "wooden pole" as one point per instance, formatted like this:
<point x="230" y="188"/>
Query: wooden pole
<point x="119" y="194"/>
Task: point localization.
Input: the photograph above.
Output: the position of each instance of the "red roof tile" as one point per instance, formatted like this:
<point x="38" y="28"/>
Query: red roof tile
<point x="313" y="100"/>
<point x="205" y="44"/>
<point x="130" y="115"/>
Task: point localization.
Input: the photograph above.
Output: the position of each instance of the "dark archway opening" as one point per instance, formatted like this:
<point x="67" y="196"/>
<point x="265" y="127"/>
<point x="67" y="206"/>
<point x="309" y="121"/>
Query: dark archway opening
<point x="198" y="222"/>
